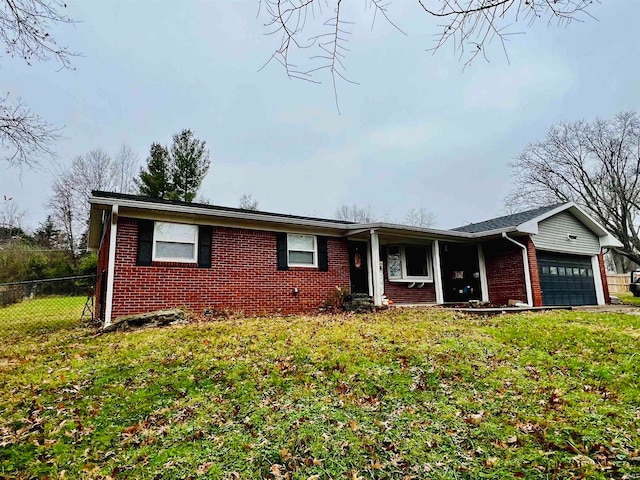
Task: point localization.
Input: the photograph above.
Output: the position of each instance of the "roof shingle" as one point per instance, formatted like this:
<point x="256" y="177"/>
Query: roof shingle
<point x="506" y="221"/>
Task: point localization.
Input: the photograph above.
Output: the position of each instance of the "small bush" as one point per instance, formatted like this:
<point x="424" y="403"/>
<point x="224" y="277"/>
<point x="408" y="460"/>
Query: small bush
<point x="336" y="299"/>
<point x="359" y="303"/>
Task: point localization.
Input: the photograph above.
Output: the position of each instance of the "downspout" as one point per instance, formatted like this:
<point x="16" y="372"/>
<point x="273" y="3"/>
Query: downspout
<point x="525" y="261"/>
<point x="111" y="264"/>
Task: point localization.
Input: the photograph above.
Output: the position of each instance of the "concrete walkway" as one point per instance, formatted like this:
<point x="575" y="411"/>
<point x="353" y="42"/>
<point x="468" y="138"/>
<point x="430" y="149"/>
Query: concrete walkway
<point x="628" y="309"/>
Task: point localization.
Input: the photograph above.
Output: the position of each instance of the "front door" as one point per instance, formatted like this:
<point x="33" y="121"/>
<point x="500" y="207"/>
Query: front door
<point x="358" y="267"/>
<point x="460" y="272"/>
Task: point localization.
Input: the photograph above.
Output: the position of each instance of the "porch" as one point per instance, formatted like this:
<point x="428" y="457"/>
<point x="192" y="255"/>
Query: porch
<point x="416" y="267"/>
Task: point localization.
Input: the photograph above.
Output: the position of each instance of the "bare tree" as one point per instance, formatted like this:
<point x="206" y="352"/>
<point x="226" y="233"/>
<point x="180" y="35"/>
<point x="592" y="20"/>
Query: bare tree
<point x="63" y="212"/>
<point x="125" y="166"/>
<point x="25" y="33"/>
<point x="321" y="29"/>
<point x="247" y="202"/>
<point x="95" y="170"/>
<point x="420" y="217"/>
<point x="594" y="164"/>
<point x="11" y="217"/>
<point x="356" y="213"/>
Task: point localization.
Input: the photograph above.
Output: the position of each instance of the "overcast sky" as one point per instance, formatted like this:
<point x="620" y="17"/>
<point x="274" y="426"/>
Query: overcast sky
<point x="417" y="131"/>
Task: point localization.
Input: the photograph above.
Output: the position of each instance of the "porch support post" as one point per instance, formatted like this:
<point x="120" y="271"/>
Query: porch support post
<point x="482" y="266"/>
<point x="111" y="265"/>
<point x="437" y="272"/>
<point x="375" y="268"/>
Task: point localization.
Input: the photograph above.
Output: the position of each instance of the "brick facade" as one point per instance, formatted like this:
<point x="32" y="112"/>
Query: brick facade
<point x="505" y="272"/>
<point x="243" y="276"/>
<point x="534" y="272"/>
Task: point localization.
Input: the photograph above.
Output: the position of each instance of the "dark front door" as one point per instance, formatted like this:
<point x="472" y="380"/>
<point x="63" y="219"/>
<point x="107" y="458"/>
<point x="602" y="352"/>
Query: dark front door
<point x="566" y="279"/>
<point x="358" y="267"/>
<point x="460" y="272"/>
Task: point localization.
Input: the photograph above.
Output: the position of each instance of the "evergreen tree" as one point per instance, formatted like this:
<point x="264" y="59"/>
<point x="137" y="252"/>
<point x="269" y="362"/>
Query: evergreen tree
<point x="155" y="179"/>
<point x="190" y="162"/>
<point x="177" y="173"/>
<point x="48" y="236"/>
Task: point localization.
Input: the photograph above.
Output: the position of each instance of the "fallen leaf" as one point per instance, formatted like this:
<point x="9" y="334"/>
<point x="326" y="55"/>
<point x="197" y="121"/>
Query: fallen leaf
<point x="490" y="462"/>
<point x="204" y="468"/>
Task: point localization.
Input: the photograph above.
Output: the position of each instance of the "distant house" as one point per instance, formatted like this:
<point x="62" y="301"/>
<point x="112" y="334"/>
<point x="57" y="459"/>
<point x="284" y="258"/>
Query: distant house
<point x="156" y="254"/>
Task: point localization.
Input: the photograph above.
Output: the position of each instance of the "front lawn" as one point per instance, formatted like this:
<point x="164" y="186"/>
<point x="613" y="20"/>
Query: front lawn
<point x="41" y="315"/>
<point x="402" y="394"/>
<point x="628" y="298"/>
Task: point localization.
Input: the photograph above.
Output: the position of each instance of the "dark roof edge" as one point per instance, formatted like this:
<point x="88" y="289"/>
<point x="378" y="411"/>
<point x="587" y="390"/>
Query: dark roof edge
<point x="96" y="194"/>
<point x="137" y="201"/>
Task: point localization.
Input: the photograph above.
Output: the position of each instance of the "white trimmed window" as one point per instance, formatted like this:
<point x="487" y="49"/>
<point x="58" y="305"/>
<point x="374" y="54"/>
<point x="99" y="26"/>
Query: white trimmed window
<point x="302" y="250"/>
<point x="175" y="242"/>
<point x="409" y="263"/>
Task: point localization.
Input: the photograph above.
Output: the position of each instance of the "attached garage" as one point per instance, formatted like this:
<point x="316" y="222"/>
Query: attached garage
<point x="559" y="257"/>
<point x="566" y="279"/>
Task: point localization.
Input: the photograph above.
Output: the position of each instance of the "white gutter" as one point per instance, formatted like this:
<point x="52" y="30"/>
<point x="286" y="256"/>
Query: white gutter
<point x="111" y="264"/>
<point x="525" y="261"/>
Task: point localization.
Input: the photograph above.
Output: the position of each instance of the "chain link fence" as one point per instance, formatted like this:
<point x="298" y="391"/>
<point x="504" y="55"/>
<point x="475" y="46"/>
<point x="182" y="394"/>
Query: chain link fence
<point x="38" y="306"/>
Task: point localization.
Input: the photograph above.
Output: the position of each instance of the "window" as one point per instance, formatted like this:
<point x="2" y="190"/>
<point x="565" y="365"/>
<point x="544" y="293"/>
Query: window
<point x="410" y="263"/>
<point x="175" y="242"/>
<point x="302" y="250"/>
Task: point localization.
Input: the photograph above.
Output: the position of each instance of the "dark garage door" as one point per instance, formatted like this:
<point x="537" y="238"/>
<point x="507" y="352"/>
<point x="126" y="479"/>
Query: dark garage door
<point x="566" y="279"/>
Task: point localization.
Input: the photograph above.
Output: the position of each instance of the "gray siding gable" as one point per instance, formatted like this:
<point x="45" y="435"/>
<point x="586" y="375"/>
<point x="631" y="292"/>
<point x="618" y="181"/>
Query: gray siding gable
<point x="553" y="231"/>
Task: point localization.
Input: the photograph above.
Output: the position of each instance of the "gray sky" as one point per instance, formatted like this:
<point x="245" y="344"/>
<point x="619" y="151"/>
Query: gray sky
<point x="417" y="132"/>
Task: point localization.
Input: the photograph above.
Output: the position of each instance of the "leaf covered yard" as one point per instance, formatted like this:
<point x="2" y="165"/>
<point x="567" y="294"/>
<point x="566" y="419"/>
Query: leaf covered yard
<point x="401" y="394"/>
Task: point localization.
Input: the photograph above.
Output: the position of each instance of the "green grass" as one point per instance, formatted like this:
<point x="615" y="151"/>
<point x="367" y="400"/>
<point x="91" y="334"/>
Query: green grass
<point x="628" y="298"/>
<point x="402" y="394"/>
<point x="40" y="315"/>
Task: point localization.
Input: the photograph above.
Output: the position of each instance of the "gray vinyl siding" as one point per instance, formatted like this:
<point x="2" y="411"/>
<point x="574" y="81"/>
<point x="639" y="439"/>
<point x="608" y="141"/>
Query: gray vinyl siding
<point x="552" y="235"/>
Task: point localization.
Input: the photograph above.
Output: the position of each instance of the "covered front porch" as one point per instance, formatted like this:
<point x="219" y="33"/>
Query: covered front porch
<point x="416" y="266"/>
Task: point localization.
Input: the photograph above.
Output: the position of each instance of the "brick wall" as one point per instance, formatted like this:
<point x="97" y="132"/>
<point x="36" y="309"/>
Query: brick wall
<point x="505" y="272"/>
<point x="536" y="291"/>
<point x="400" y="293"/>
<point x="603" y="275"/>
<point x="243" y="276"/>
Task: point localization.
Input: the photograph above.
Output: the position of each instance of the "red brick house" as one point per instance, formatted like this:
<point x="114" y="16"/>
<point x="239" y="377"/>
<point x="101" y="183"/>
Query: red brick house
<point x="156" y="254"/>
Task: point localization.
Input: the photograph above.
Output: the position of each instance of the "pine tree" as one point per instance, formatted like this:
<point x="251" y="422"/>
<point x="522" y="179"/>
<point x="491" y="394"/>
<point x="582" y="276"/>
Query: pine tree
<point x="48" y="236"/>
<point x="155" y="180"/>
<point x="190" y="161"/>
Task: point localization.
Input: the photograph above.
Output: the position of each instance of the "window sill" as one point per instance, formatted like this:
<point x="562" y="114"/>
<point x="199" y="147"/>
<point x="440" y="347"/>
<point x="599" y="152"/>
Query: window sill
<point x="164" y="263"/>
<point x="411" y="280"/>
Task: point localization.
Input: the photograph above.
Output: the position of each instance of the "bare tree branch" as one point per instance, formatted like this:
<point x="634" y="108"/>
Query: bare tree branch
<point x="25" y="30"/>
<point x="25" y="33"/>
<point x="320" y="27"/>
<point x="24" y="136"/>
